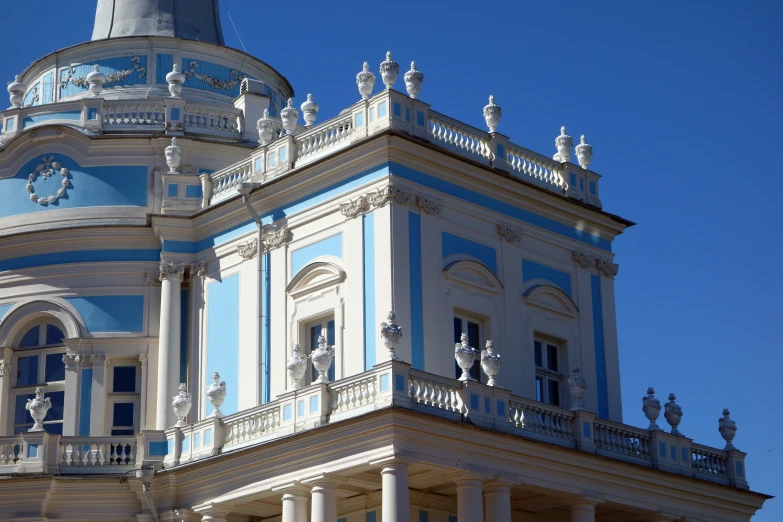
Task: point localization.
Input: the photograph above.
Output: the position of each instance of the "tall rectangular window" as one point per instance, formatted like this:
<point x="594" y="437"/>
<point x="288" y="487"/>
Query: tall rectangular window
<point x="472" y="327"/>
<point x="124" y="399"/>
<point x="549" y="378"/>
<point x="326" y="328"/>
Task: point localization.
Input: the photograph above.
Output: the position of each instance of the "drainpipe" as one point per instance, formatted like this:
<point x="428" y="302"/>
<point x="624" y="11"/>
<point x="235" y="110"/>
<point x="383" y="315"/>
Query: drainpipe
<point x="245" y="189"/>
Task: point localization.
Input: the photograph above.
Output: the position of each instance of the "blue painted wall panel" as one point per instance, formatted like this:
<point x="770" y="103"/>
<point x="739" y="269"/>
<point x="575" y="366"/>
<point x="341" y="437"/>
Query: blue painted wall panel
<point x="4" y="308"/>
<point x="40" y="118"/>
<point x="417" y="306"/>
<point x="223" y="336"/>
<point x="600" y="349"/>
<point x="331" y="246"/>
<point x="33" y="95"/>
<point x="78" y="256"/>
<point x="193" y="191"/>
<point x="459" y="245"/>
<point x="164" y="63"/>
<point x="111" y="313"/>
<point x="133" y="69"/>
<point x="370" y="337"/>
<point x="85" y="402"/>
<point x="533" y="270"/>
<point x="207" y="76"/>
<point x="47" y="96"/>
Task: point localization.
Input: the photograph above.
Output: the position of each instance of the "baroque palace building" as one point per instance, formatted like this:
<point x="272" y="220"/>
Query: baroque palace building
<point x="196" y="286"/>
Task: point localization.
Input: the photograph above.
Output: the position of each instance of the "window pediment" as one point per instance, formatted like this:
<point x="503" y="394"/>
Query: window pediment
<point x="315" y="276"/>
<point x="473" y="274"/>
<point x="550" y="298"/>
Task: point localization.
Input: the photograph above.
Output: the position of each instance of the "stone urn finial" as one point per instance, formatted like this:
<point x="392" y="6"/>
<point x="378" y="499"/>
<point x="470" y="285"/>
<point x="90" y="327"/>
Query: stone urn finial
<point x="297" y="365"/>
<point x="16" y="89"/>
<point x="465" y="356"/>
<point x="490" y="363"/>
<point x="175" y="80"/>
<point x="365" y="80"/>
<point x="173" y="156"/>
<point x="563" y="143"/>
<point x="584" y="152"/>
<point x="576" y="388"/>
<point x="727" y="429"/>
<point x="673" y="414"/>
<point x="95" y="80"/>
<point x="492" y="114"/>
<point x="266" y="128"/>
<point x="413" y="80"/>
<point x="322" y="360"/>
<point x="652" y="409"/>
<point x="289" y="115"/>
<point x="389" y="71"/>
<point x="391" y="333"/>
<point x="182" y="404"/>
<point x="309" y="111"/>
<point x="216" y="393"/>
<point x="38" y="408"/>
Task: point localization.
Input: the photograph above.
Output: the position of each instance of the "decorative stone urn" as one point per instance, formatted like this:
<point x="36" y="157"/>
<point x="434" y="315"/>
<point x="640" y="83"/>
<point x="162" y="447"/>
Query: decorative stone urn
<point x="652" y="409"/>
<point x="322" y="360"/>
<point x="365" y="80"/>
<point x="266" y="128"/>
<point x="96" y="79"/>
<point x="216" y="393"/>
<point x="576" y="388"/>
<point x="182" y="404"/>
<point x="492" y="114"/>
<point x="175" y="80"/>
<point x="309" y="111"/>
<point x="297" y="365"/>
<point x="389" y="71"/>
<point x="289" y="115"/>
<point x="173" y="156"/>
<point x="465" y="356"/>
<point x="564" y="142"/>
<point x="727" y="429"/>
<point x="16" y="89"/>
<point x="38" y="408"/>
<point x="490" y="363"/>
<point x="584" y="153"/>
<point x="391" y="333"/>
<point x="413" y="80"/>
<point x="673" y="414"/>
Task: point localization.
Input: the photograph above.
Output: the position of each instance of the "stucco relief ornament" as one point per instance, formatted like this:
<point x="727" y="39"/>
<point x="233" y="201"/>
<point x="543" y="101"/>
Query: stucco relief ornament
<point x="266" y="128"/>
<point x="170" y="270"/>
<point x="383" y="195"/>
<point x="652" y="409"/>
<point x="389" y="71"/>
<point x="289" y="115"/>
<point x="465" y="356"/>
<point x="248" y="250"/>
<point x="173" y="156"/>
<point x="606" y="268"/>
<point x="38" y="407"/>
<point x="582" y="259"/>
<point x="511" y="235"/>
<point x="490" y="363"/>
<point x="322" y="360"/>
<point x="297" y="365"/>
<point x="235" y="78"/>
<point x="428" y="206"/>
<point x="365" y="80"/>
<point x="95" y="80"/>
<point x="182" y="404"/>
<point x="276" y="238"/>
<point x="673" y="414"/>
<point x="727" y="429"/>
<point x="492" y="114"/>
<point x="309" y="111"/>
<point x="564" y="142"/>
<point x="391" y="333"/>
<point x="413" y="80"/>
<point x="576" y="388"/>
<point x="16" y="90"/>
<point x="175" y="79"/>
<point x="354" y="207"/>
<point x="48" y="168"/>
<point x="216" y="393"/>
<point x="584" y="153"/>
<point x="114" y="77"/>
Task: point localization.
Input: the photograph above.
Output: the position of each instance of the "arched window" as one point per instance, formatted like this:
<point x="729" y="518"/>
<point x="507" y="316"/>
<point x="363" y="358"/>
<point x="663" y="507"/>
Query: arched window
<point x="38" y="360"/>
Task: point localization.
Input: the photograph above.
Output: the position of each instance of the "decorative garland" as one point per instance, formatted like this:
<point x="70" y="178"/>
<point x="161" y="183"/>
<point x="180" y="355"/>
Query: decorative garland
<point x="81" y="81"/>
<point x="48" y="168"/>
<point x="215" y="83"/>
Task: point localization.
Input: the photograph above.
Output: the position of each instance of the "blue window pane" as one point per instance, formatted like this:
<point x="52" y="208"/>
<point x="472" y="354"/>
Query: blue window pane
<point x="330" y="342"/>
<point x="457" y="335"/>
<point x="55" y="367"/>
<point x="55" y="413"/>
<point x="475" y="341"/>
<point x="27" y="371"/>
<point x="123" y="414"/>
<point x="554" y="392"/>
<point x="54" y="335"/>
<point x="539" y="356"/>
<point x="54" y="429"/>
<point x="121" y="432"/>
<point x="539" y="389"/>
<point x="21" y="429"/>
<point x="551" y="358"/>
<point x="124" y="380"/>
<point x="31" y="338"/>
<point x="22" y="416"/>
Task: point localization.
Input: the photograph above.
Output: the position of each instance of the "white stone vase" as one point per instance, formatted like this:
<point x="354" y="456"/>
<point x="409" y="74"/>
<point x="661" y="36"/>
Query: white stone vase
<point x="175" y="80"/>
<point x="465" y="356"/>
<point x="673" y="414"/>
<point x="290" y="116"/>
<point x="727" y="429"/>
<point x="182" y="404"/>
<point x="95" y="80"/>
<point x="584" y="153"/>
<point x="413" y="80"/>
<point x="173" y="156"/>
<point x="563" y="143"/>
<point x="652" y="409"/>
<point x="216" y="393"/>
<point x="309" y="111"/>
<point x="266" y="128"/>
<point x="38" y="408"/>
<point x="389" y="71"/>
<point x="365" y="80"/>
<point x="576" y="388"/>
<point x="490" y="363"/>
<point x="391" y="333"/>
<point x="492" y="114"/>
<point x="297" y="366"/>
<point x="16" y="90"/>
<point x="322" y="360"/>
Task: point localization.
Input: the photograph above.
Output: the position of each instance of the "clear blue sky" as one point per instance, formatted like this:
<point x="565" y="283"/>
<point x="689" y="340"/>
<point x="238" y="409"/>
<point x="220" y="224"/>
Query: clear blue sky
<point x="682" y="103"/>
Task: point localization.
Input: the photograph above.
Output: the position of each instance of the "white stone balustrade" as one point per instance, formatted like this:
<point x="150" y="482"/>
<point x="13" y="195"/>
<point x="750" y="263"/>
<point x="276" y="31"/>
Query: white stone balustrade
<point x="86" y="454"/>
<point x="612" y="439"/>
<point x="210" y="119"/>
<point x="132" y="113"/>
<point x="226" y="181"/>
<point x="326" y="138"/>
<point x="541" y="419"/>
<point x="709" y="462"/>
<point x="459" y="137"/>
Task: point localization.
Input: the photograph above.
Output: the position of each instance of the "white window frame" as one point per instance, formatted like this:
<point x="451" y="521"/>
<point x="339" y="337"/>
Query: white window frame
<point x="122" y="397"/>
<point x="478" y="344"/>
<point x="547" y="374"/>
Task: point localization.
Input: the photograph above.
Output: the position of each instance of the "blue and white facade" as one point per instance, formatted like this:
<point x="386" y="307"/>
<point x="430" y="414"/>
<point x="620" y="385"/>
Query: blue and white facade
<point x="131" y="263"/>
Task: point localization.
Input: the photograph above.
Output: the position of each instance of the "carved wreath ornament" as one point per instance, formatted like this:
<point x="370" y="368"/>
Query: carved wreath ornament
<point x="48" y="168"/>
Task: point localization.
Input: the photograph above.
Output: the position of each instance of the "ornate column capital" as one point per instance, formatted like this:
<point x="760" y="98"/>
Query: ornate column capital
<point x="582" y="259"/>
<point x="248" y="250"/>
<point x="428" y="206"/>
<point x="153" y="279"/>
<point x="169" y="270"/>
<point x="390" y="194"/>
<point x="606" y="268"/>
<point x="510" y="235"/>
<point x="354" y="207"/>
<point x="143" y="359"/>
<point x="198" y="270"/>
<point x="276" y="237"/>
<point x="5" y="369"/>
<point x="71" y="361"/>
<point x="99" y="359"/>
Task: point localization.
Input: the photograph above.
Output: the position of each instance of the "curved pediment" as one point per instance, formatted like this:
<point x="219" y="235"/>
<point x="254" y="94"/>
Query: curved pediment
<point x="474" y="274"/>
<point x="550" y="298"/>
<point x="14" y="324"/>
<point x="315" y="276"/>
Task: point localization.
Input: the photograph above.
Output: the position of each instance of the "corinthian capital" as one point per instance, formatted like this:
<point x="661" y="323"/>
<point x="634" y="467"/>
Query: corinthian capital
<point x="170" y="270"/>
<point x="606" y="268"/>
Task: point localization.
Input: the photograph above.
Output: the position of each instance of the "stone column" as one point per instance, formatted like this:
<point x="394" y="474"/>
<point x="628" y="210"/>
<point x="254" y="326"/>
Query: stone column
<point x="72" y="387"/>
<point x="395" y="507"/>
<point x="171" y="276"/>
<point x="324" y="501"/>
<point x="469" y="506"/>
<point x="498" y="498"/>
<point x="5" y="389"/>
<point x="583" y="509"/>
<point x="294" y="504"/>
<point x="98" y="395"/>
<point x="143" y="393"/>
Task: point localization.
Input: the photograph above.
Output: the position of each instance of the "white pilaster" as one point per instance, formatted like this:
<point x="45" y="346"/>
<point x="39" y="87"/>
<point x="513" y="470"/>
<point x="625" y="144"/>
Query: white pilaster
<point x="5" y="390"/>
<point x="395" y="507"/>
<point x="144" y="396"/>
<point x="98" y="396"/>
<point x="324" y="501"/>
<point x="169" y="343"/>
<point x="73" y="379"/>
<point x="469" y="502"/>
<point x="498" y="498"/>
